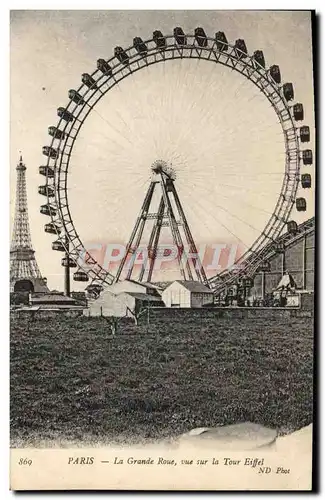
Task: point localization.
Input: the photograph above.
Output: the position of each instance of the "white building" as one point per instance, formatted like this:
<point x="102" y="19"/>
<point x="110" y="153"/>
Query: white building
<point x="187" y="294"/>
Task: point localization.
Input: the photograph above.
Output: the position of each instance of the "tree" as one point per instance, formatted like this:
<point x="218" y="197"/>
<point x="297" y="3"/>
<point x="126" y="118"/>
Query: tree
<point x="139" y="311"/>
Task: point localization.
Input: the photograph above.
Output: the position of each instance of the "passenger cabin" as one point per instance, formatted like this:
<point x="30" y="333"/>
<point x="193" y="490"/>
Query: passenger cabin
<point x="159" y="39"/>
<point x="240" y="48"/>
<point x="121" y="55"/>
<point x="94" y="290"/>
<point x="47" y="210"/>
<point x="307" y="157"/>
<point x="46" y="191"/>
<point x="46" y="171"/>
<point x="288" y="91"/>
<point x="258" y="58"/>
<point x="301" y="204"/>
<point x="140" y="46"/>
<point x="292" y="227"/>
<point x="58" y="246"/>
<point x="52" y="228"/>
<point x="298" y="111"/>
<point x="80" y="276"/>
<point x="89" y="81"/>
<point x="305" y="133"/>
<point x="306" y="181"/>
<point x="68" y="262"/>
<point x="50" y="152"/>
<point x="56" y="133"/>
<point x="275" y="73"/>
<point x="76" y="97"/>
<point x="200" y="37"/>
<point x="221" y="41"/>
<point x="180" y="36"/>
<point x="104" y="67"/>
<point x="65" y="115"/>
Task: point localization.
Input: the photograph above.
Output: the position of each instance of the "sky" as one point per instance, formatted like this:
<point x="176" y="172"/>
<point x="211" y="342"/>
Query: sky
<point x="217" y="130"/>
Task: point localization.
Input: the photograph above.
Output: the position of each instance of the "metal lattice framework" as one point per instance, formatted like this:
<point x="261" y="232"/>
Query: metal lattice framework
<point x="125" y="62"/>
<point x="174" y="218"/>
<point x="23" y="265"/>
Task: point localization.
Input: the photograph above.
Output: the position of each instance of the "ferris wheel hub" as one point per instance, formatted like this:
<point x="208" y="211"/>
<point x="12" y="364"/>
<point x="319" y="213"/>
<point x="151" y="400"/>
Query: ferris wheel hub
<point x="163" y="167"/>
<point x="159" y="166"/>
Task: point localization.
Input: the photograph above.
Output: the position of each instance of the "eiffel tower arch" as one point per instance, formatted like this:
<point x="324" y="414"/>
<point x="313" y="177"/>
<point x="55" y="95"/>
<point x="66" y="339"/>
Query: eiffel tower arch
<point x="25" y="275"/>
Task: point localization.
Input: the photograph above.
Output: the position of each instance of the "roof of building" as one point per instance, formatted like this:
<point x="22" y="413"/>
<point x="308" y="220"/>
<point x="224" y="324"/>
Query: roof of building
<point x="144" y="296"/>
<point x="162" y="284"/>
<point x="133" y="281"/>
<point x="48" y="307"/>
<point x="193" y="286"/>
<point x="155" y="286"/>
<point x="145" y="284"/>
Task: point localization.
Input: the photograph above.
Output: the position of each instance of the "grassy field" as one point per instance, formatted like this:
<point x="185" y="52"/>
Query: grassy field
<point x="70" y="380"/>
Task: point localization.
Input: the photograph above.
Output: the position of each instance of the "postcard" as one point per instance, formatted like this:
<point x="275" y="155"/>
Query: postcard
<point x="162" y="258"/>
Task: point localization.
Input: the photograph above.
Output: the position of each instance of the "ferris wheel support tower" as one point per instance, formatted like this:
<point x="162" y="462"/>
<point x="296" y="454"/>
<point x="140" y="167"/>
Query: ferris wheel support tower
<point x="171" y="214"/>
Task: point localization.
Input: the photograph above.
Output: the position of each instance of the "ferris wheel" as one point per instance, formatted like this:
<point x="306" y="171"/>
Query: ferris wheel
<point x="173" y="50"/>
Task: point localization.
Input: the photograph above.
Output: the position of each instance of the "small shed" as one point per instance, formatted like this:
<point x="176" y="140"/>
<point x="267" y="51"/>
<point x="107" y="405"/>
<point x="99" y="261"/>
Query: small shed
<point x="187" y="294"/>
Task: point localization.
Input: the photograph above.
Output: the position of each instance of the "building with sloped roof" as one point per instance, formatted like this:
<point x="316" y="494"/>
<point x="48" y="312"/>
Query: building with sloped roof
<point x="122" y="304"/>
<point x="183" y="293"/>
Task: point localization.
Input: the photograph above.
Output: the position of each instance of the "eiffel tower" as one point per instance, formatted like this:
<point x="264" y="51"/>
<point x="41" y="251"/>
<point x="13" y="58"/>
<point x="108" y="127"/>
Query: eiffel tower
<point x="24" y="272"/>
<point x="171" y="214"/>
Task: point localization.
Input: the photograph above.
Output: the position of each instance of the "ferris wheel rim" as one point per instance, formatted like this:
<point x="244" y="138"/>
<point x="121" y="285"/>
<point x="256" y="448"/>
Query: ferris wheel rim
<point x="241" y="64"/>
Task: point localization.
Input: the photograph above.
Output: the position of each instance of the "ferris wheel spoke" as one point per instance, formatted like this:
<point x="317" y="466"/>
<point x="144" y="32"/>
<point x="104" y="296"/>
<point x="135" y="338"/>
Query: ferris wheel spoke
<point x="108" y="147"/>
<point x="240" y="189"/>
<point x="222" y="224"/>
<point x="217" y="193"/>
<point x="136" y="187"/>
<point x="134" y="184"/>
<point x="129" y="105"/>
<point x="119" y="116"/>
<point x="247" y="132"/>
<point x="215" y="182"/>
<point x="238" y="174"/>
<point x="112" y="127"/>
<point x="226" y="159"/>
<point x="191" y="104"/>
<point x="234" y="94"/>
<point x="237" y="217"/>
